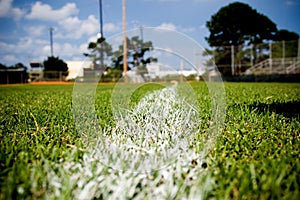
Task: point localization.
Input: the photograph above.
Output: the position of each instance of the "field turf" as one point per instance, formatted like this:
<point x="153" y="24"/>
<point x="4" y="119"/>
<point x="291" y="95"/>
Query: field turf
<point x="257" y="155"/>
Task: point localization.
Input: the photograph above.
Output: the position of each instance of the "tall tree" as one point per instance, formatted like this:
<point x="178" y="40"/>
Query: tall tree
<point x="100" y="53"/>
<point x="237" y="24"/>
<point x="19" y="66"/>
<point x="286" y="44"/>
<point x="2" y="66"/>
<point x="137" y="51"/>
<point x="54" y="67"/>
<point x="286" y="35"/>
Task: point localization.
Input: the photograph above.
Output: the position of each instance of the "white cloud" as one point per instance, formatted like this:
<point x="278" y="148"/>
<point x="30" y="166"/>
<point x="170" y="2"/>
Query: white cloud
<point x="70" y="23"/>
<point x="116" y="41"/>
<point x="4" y="47"/>
<point x="24" y="50"/>
<point x="76" y="28"/>
<point x="163" y="1"/>
<point x="169" y="26"/>
<point x="83" y="47"/>
<point x="41" y="42"/>
<point x="29" y="49"/>
<point x="5" y="7"/>
<point x="7" y="10"/>
<point x="203" y="26"/>
<point x="66" y="49"/>
<point x="68" y="30"/>
<point x="10" y="59"/>
<point x="35" y="30"/>
<point x="92" y="38"/>
<point x="292" y="2"/>
<point x="17" y="13"/>
<point x="187" y="29"/>
<point x="45" y="12"/>
<point x="45" y="50"/>
<point x="24" y="45"/>
<point x="204" y="1"/>
<point x="173" y="27"/>
<point x="111" y="28"/>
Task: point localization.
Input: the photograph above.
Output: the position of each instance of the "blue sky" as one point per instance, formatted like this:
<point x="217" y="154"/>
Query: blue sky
<point x="24" y="33"/>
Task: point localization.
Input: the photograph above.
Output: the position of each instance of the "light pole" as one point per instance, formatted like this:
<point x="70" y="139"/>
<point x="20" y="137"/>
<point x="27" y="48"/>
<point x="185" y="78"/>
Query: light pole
<point x="51" y="40"/>
<point x="100" y="18"/>
<point x="101" y="37"/>
<point x="124" y="40"/>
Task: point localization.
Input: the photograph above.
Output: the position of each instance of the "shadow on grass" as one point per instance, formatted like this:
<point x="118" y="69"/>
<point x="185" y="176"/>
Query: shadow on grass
<point x="288" y="109"/>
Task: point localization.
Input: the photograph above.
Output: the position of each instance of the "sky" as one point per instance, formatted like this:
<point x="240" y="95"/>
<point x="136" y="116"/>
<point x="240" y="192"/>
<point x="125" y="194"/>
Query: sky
<point x="25" y="37"/>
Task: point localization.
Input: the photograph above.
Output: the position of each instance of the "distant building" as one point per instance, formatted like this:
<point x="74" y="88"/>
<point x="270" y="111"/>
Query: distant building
<point x="160" y="70"/>
<point x="134" y="76"/>
<point x="11" y="76"/>
<point x="36" y="71"/>
<point x="77" y="68"/>
<point x="85" y="69"/>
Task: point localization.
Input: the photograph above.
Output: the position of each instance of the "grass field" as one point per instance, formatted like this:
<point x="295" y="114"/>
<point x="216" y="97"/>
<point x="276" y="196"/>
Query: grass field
<point x="257" y="155"/>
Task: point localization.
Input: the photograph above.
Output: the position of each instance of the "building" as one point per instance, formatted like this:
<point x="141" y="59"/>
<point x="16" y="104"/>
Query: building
<point x="77" y="68"/>
<point x="11" y="76"/>
<point x="36" y="71"/>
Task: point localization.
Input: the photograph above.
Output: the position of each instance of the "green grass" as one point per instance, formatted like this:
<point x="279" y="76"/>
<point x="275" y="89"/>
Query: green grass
<point x="257" y="155"/>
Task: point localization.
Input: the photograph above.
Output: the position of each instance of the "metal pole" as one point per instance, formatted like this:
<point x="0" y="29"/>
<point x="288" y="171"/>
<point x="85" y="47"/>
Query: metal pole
<point x="197" y="63"/>
<point x="270" y="56"/>
<point x="100" y="37"/>
<point x="51" y="40"/>
<point x="7" y="77"/>
<point x="142" y="38"/>
<point x="232" y="60"/>
<point x="251" y="56"/>
<point x="124" y="41"/>
<point x="100" y="18"/>
<point x="142" y="41"/>
<point x="283" y="55"/>
<point x="181" y="71"/>
<point x="298" y="55"/>
<point x="142" y="35"/>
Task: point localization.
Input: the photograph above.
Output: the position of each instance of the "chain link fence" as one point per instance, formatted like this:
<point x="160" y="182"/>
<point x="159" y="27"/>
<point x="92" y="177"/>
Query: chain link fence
<point x="281" y="57"/>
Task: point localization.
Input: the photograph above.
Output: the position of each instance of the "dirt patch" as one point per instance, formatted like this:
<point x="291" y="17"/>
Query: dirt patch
<point x="52" y="83"/>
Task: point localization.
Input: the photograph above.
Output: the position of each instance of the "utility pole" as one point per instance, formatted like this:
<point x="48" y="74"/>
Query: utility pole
<point x="101" y="38"/>
<point x="270" y="57"/>
<point x="51" y="40"/>
<point x="197" y="63"/>
<point x="252" y="56"/>
<point x="142" y="42"/>
<point x="181" y="71"/>
<point x="142" y="35"/>
<point x="232" y="60"/>
<point x="100" y="18"/>
<point x="124" y="41"/>
<point x="283" y="55"/>
<point x="298" y="54"/>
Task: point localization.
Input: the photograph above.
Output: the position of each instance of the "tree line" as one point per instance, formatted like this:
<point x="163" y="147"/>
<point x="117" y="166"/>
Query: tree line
<point x="242" y="27"/>
<point x="105" y="59"/>
<point x="53" y="68"/>
<point x="13" y="74"/>
<point x="236" y="26"/>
